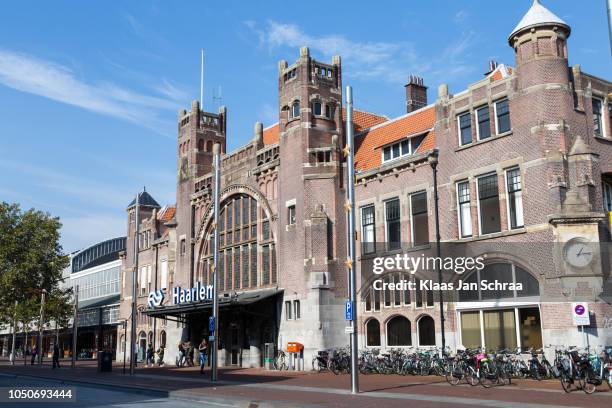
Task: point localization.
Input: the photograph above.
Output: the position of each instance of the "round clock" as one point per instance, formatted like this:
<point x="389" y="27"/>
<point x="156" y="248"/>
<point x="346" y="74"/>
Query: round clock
<point x="578" y="252"/>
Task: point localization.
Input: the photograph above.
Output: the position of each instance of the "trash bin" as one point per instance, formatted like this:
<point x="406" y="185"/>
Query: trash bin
<point x="269" y="356"/>
<point x="105" y="362"/>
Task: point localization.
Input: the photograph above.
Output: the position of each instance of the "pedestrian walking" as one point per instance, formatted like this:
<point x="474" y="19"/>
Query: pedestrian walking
<point x="160" y="356"/>
<point x="203" y="357"/>
<point x="34" y="352"/>
<point x="190" y="353"/>
<point x="181" y="354"/>
<point x="56" y="353"/>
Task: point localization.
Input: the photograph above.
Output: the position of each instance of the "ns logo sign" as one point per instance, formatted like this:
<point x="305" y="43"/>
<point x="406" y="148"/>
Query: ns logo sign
<point x="156" y="298"/>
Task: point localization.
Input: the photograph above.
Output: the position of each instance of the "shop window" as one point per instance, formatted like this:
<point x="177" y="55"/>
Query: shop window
<point x="463" y="209"/>
<point x="393" y="227"/>
<point x="419" y="219"/>
<point x="488" y="204"/>
<point x="427" y="331"/>
<point x="373" y="333"/>
<point x="484" y="123"/>
<point x="499" y="329"/>
<point x="470" y="330"/>
<point x="368" y="230"/>
<point x="515" y="198"/>
<point x="502" y="114"/>
<point x="399" y="332"/>
<point x="530" y="328"/>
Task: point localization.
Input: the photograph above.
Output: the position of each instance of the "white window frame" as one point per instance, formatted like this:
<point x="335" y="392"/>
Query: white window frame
<point x="602" y="112"/>
<point x="459" y="115"/>
<point x="478" y="121"/>
<point x="478" y="200"/>
<point x="459" y="223"/>
<point x="363" y="234"/>
<point x="497" y="132"/>
<point x="508" y="199"/>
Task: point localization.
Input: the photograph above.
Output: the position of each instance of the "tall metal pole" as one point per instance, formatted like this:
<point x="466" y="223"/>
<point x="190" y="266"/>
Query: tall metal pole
<point x="350" y="206"/>
<point x="14" y="334"/>
<point x="134" y="286"/>
<point x="40" y="326"/>
<point x="75" y="326"/>
<point x="433" y="161"/>
<point x="215" y="334"/>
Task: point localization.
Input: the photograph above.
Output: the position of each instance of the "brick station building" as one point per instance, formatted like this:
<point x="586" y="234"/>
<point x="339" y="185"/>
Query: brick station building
<point x="524" y="172"/>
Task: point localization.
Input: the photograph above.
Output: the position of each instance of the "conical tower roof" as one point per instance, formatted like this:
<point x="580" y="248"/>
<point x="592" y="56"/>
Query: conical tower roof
<point x="538" y="15"/>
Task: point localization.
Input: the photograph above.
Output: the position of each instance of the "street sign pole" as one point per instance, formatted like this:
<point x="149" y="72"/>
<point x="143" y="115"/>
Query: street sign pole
<point x="215" y="316"/>
<point x="350" y="208"/>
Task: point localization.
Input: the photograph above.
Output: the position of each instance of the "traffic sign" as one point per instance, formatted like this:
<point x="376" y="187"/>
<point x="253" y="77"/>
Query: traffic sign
<point x="349" y="313"/>
<point x="211" y="324"/>
<point x="348" y="329"/>
<point x="580" y="314"/>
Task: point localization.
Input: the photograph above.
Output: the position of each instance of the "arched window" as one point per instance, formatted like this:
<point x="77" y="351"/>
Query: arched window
<point x="398" y="332"/>
<point x="502" y="272"/>
<point x="316" y="108"/>
<point x="373" y="333"/>
<point x="427" y="331"/>
<point x="295" y="109"/>
<point x="200" y="145"/>
<point x="162" y="339"/>
<point x="150" y="337"/>
<point x="209" y="146"/>
<point x="122" y="343"/>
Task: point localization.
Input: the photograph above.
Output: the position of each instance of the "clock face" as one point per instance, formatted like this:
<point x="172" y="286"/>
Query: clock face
<point x="578" y="252"/>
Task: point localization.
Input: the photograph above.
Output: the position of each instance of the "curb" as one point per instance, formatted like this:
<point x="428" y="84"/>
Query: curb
<point x="173" y="395"/>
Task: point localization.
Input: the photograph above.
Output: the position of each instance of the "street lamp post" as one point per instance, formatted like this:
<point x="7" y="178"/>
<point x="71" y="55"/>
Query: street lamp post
<point x="433" y="161"/>
<point x="215" y="312"/>
<point x="40" y="326"/>
<point x="14" y="334"/>
<point x="75" y="325"/>
<point x="350" y="207"/>
<point x="134" y="286"/>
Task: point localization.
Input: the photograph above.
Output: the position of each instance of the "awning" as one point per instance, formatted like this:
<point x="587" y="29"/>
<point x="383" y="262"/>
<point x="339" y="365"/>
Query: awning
<point x="226" y="300"/>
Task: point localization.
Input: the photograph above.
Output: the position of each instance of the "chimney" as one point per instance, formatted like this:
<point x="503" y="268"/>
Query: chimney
<point x="416" y="94"/>
<point x="492" y="67"/>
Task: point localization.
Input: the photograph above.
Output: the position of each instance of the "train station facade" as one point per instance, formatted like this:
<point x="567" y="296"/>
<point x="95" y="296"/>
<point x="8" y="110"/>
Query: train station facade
<point x="523" y="177"/>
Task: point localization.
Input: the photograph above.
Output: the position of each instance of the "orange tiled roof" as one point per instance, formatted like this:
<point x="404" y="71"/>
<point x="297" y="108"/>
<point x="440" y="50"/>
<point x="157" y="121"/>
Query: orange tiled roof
<point x="368" y="144"/>
<point x="166" y="213"/>
<point x="363" y="120"/>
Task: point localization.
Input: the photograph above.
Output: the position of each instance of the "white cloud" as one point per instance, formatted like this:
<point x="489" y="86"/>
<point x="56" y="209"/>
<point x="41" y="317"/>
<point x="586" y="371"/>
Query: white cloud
<point x="57" y="82"/>
<point x="460" y="16"/>
<point x="389" y="61"/>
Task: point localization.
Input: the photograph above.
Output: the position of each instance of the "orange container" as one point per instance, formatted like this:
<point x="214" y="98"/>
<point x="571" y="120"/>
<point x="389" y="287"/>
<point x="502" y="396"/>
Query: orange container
<point x="294" y="347"/>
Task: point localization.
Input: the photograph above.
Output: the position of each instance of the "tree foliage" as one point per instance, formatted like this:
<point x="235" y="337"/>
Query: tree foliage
<point x="31" y="260"/>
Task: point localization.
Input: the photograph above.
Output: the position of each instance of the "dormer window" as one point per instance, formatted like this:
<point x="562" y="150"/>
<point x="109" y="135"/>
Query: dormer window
<point x="405" y="147"/>
<point x="295" y="110"/>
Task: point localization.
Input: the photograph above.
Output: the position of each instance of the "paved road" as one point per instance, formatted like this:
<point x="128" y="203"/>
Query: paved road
<point x="98" y="397"/>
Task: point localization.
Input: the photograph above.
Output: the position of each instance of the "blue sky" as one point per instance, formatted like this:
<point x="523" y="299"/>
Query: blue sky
<point x="89" y="93"/>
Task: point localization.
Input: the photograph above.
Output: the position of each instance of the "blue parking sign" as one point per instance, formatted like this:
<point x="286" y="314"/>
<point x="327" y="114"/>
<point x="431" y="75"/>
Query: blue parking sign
<point x="348" y="311"/>
<point x="211" y="324"/>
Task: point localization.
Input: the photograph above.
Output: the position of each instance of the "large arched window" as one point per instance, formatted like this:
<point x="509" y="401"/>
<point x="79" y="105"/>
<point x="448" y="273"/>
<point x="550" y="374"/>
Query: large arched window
<point x="427" y="331"/>
<point x="247" y="258"/>
<point x="502" y="272"/>
<point x="162" y="339"/>
<point x="398" y="332"/>
<point x="373" y="333"/>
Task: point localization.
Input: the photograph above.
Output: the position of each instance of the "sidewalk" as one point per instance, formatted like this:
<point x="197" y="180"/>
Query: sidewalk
<point x="247" y="386"/>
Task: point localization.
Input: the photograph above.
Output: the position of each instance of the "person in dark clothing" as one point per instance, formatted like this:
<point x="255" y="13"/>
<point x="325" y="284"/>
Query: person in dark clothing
<point x="56" y="353"/>
<point x="203" y="350"/>
<point x="34" y="352"/>
<point x="150" y="356"/>
<point x="190" y="353"/>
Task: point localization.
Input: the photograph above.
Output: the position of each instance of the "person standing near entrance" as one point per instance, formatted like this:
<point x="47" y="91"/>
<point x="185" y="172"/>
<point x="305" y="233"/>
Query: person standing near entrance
<point x="150" y="356"/>
<point x="203" y="357"/>
<point x="56" y="353"/>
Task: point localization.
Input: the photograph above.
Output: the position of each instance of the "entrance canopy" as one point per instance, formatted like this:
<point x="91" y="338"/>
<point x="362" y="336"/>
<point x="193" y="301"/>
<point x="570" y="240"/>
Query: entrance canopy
<point x="225" y="300"/>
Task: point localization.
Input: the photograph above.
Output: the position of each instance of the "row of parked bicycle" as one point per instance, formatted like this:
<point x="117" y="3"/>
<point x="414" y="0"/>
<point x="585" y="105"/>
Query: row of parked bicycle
<point x="586" y="369"/>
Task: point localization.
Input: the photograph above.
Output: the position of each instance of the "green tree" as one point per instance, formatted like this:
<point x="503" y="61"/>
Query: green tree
<point x="31" y="260"/>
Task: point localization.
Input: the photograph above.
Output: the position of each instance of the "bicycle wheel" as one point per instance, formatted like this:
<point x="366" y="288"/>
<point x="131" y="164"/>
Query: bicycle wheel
<point x="472" y="377"/>
<point x="566" y="382"/>
<point x="454" y="375"/>
<point x="488" y="376"/>
<point x="588" y="384"/>
<point x="333" y="367"/>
